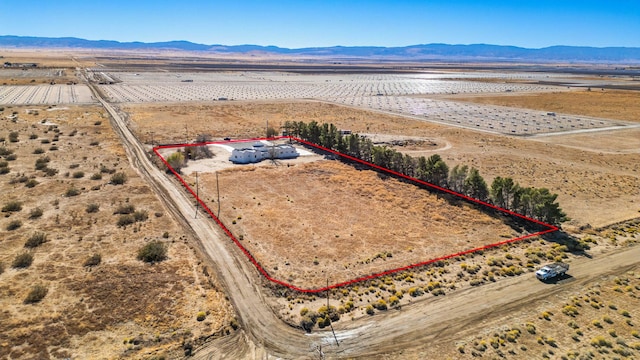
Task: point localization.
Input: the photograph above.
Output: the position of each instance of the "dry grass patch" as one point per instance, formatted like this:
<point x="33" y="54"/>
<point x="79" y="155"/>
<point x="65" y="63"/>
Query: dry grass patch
<point x="608" y="104"/>
<point x="305" y="221"/>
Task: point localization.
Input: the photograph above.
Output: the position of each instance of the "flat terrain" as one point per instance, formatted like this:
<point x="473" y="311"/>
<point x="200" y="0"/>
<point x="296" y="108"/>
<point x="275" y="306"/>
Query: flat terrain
<point x="120" y="307"/>
<point x="311" y="221"/>
<point x="600" y="103"/>
<point x="463" y="308"/>
<point x="586" y="175"/>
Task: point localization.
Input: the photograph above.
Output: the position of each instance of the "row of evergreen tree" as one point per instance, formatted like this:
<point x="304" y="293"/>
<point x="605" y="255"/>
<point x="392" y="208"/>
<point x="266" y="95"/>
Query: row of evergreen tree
<point x="537" y="203"/>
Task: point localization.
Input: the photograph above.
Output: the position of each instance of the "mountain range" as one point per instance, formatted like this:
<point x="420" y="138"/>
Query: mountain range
<point x="475" y="52"/>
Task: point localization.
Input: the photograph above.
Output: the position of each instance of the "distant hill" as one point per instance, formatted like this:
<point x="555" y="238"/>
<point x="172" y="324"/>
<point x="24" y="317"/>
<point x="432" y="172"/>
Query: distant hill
<point x="475" y="52"/>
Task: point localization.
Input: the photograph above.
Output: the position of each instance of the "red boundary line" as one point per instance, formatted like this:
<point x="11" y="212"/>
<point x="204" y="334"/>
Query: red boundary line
<point x="550" y="228"/>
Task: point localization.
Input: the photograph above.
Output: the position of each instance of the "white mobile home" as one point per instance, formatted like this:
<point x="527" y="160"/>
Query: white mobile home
<point x="260" y="152"/>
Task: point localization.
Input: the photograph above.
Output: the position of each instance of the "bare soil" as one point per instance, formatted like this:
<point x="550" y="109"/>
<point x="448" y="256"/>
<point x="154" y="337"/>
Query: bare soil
<point x="608" y="104"/>
<point x="305" y="223"/>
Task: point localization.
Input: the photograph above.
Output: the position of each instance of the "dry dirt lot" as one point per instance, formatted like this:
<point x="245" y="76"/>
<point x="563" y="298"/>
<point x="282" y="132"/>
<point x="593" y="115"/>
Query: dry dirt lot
<point x="310" y="222"/>
<point x="121" y="307"/>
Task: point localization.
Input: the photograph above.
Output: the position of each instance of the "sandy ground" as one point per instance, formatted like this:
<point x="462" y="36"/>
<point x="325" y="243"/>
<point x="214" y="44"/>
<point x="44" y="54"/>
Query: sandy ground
<point x="334" y="211"/>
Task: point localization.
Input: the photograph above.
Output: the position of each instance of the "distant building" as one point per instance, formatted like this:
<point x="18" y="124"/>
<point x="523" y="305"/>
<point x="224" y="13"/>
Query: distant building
<point x="19" y="65"/>
<point x="260" y="151"/>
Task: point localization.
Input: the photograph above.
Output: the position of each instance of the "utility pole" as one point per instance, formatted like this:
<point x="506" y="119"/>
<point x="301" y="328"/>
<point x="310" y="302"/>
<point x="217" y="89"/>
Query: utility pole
<point x="218" y="188"/>
<point x="328" y="312"/>
<point x="197" y="196"/>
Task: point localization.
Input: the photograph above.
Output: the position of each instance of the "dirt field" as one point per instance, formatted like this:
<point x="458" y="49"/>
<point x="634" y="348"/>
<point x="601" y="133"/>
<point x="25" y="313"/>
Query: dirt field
<point x="304" y="223"/>
<point x="608" y="104"/>
<point x="122" y="307"/>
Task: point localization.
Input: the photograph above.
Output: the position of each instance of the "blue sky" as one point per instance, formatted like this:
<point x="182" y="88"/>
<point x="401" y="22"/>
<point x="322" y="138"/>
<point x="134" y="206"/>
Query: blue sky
<point x="309" y="23"/>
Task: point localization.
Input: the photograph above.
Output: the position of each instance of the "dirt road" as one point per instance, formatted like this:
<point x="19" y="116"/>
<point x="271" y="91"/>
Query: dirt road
<point x="264" y="335"/>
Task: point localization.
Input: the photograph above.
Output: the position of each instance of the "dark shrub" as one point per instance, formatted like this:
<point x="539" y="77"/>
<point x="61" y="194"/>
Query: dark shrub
<point x="125" y="209"/>
<point x="35" y="213"/>
<point x="125" y="219"/>
<point x="37" y="293"/>
<point x="12" y="206"/>
<point x="14" y="224"/>
<point x="31" y="183"/>
<point x="119" y="178"/>
<point x="22" y="260"/>
<point x="93" y="260"/>
<point x="72" y="191"/>
<point x="154" y="251"/>
<point x="140" y="215"/>
<point x="36" y="240"/>
<point x="93" y="208"/>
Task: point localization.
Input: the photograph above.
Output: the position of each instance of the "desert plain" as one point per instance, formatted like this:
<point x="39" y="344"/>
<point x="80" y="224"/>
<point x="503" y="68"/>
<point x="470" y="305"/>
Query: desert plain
<point x="313" y="220"/>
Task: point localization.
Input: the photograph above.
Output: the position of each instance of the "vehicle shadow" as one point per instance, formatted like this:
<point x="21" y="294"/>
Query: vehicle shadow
<point x="561" y="279"/>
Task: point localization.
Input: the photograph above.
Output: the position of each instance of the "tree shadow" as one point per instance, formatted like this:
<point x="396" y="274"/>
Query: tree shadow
<point x="574" y="245"/>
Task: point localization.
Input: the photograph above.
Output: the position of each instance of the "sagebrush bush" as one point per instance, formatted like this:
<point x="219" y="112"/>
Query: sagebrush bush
<point x="14" y="224"/>
<point x="118" y="178"/>
<point x="125" y="219"/>
<point x="380" y="305"/>
<point x="307" y="323"/>
<point x="36" y="240"/>
<point x="72" y="191"/>
<point x="96" y="176"/>
<point x="125" y="209"/>
<point x="37" y="293"/>
<point x="41" y="163"/>
<point x="50" y="171"/>
<point x="93" y="260"/>
<point x="4" y="151"/>
<point x="140" y="215"/>
<point x="35" y="213"/>
<point x="22" y="260"/>
<point x="93" y="208"/>
<point x="155" y="251"/>
<point x="31" y="183"/>
<point x="12" y="206"/>
<point x="78" y="174"/>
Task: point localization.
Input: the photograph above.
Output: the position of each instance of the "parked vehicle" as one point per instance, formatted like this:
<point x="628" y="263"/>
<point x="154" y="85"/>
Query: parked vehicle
<point x="551" y="271"/>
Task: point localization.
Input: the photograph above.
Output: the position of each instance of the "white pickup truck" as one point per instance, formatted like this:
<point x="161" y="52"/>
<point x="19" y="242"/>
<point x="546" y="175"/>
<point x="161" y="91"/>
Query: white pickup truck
<point x="551" y="271"/>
